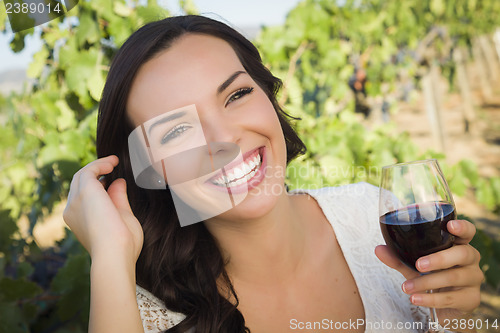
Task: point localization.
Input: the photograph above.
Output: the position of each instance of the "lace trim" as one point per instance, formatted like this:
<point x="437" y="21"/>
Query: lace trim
<point x="155" y="316"/>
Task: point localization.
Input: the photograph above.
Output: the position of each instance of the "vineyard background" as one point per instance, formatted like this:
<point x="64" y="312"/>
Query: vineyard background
<point x="483" y="149"/>
<point x="430" y="61"/>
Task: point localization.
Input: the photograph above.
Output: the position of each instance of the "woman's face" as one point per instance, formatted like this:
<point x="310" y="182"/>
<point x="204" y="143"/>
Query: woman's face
<point x="197" y="93"/>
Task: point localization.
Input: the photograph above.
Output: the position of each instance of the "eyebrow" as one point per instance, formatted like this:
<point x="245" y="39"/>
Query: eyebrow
<point x="167" y="119"/>
<point x="230" y="80"/>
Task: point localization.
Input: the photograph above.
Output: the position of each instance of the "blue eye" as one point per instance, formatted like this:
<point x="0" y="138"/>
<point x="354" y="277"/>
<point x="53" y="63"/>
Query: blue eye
<point x="239" y="94"/>
<point x="174" y="133"/>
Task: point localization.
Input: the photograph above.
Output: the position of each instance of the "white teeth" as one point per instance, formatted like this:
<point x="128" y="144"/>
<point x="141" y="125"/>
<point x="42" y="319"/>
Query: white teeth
<point x="246" y="168"/>
<point x="251" y="164"/>
<point x="250" y="175"/>
<point x="238" y="173"/>
<point x="241" y="174"/>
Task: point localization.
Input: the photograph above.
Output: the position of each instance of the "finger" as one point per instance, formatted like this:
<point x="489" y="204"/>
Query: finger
<point x="388" y="257"/>
<point x="458" y="255"/>
<point x="463" y="230"/>
<point x="118" y="193"/>
<point x="99" y="167"/>
<point x="103" y="162"/>
<point x="465" y="299"/>
<point x="450" y="278"/>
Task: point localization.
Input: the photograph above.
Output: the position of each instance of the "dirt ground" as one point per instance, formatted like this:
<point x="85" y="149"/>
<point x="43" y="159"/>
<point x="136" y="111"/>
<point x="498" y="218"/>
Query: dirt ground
<point x="482" y="146"/>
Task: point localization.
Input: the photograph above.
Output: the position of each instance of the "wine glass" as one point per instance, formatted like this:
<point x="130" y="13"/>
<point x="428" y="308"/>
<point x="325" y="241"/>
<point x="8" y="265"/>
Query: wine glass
<point x="414" y="208"/>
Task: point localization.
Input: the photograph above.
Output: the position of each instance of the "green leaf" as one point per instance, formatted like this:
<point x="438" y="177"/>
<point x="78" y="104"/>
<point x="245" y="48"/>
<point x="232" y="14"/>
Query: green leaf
<point x="495" y="246"/>
<point x="482" y="243"/>
<point x="12" y="319"/>
<point x="457" y="183"/>
<point x="71" y="145"/>
<point x="485" y="194"/>
<point x="3" y="17"/>
<point x="95" y="84"/>
<point x="68" y="169"/>
<point x="121" y="9"/>
<point x="49" y="155"/>
<point x="470" y="171"/>
<point x="66" y="120"/>
<point x="472" y="5"/>
<point x="17" y="173"/>
<point x="68" y="54"/>
<point x="120" y="29"/>
<point x="52" y="36"/>
<point x="374" y="24"/>
<point x="3" y="262"/>
<point x="24" y="269"/>
<point x="492" y="274"/>
<point x="73" y="282"/>
<point x="88" y="30"/>
<point x="39" y="61"/>
<point x="30" y="311"/>
<point x="104" y="8"/>
<point x="13" y="290"/>
<point x="8" y="227"/>
<point x="78" y="74"/>
<point x="66" y="146"/>
<point x="437" y="7"/>
<point x="17" y="43"/>
<point x="495" y="185"/>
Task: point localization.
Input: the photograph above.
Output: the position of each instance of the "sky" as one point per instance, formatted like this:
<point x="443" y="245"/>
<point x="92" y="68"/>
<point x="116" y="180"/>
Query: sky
<point x="240" y="13"/>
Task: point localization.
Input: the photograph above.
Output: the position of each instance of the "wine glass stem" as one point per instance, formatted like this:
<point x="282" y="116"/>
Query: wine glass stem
<point x="434" y="326"/>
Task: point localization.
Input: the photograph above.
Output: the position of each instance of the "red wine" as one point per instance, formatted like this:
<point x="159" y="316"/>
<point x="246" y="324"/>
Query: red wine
<point x="418" y="230"/>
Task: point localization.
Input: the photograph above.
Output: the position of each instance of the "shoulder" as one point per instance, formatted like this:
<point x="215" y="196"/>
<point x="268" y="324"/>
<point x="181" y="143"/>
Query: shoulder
<point x="155" y="316"/>
<point x="352" y="210"/>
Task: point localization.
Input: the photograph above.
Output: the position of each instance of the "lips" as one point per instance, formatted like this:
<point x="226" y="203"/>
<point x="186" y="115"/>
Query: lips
<point x="241" y="175"/>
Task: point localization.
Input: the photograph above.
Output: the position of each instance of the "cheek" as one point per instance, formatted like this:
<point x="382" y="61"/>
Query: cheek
<point x="265" y="120"/>
<point x="264" y="116"/>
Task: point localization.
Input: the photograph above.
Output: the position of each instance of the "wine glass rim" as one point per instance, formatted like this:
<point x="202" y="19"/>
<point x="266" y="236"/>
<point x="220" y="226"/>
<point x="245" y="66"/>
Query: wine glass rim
<point x="411" y="162"/>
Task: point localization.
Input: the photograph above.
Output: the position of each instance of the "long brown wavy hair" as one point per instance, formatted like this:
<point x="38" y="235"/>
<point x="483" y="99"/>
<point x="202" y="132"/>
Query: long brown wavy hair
<point x="182" y="266"/>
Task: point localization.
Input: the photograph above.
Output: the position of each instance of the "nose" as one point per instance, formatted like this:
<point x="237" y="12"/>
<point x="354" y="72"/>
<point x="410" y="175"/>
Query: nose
<point x="218" y="127"/>
<point x="223" y="136"/>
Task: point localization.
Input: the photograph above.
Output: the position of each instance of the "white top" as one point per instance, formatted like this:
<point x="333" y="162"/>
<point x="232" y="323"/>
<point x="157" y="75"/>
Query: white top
<point x="353" y="212"/>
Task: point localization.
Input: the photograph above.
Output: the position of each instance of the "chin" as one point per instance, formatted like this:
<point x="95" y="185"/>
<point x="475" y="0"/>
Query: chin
<point x="258" y="203"/>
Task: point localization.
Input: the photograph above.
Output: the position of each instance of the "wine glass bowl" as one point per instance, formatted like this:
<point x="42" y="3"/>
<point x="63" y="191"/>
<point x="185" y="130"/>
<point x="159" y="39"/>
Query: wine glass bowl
<point x="414" y="209"/>
<point x="415" y="206"/>
<point x="418" y="230"/>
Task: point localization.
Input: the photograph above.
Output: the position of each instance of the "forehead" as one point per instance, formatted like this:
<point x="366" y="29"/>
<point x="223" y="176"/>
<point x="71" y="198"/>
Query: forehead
<point x="188" y="72"/>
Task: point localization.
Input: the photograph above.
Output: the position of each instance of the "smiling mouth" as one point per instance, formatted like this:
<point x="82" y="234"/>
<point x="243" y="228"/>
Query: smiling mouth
<point x="241" y="173"/>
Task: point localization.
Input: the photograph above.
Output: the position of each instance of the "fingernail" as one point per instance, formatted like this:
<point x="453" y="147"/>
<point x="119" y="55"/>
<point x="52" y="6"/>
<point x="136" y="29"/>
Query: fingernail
<point x="423" y="263"/>
<point x="416" y="299"/>
<point x="455" y="225"/>
<point x="408" y="287"/>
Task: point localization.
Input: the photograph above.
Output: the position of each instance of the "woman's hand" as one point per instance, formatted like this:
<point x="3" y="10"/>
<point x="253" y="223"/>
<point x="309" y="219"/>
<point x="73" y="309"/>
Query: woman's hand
<point x="454" y="274"/>
<point x="103" y="221"/>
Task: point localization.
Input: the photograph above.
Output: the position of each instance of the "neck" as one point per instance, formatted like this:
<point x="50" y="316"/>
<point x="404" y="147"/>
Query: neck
<point x="266" y="249"/>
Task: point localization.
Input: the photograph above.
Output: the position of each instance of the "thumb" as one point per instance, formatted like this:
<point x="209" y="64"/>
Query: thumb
<point x="389" y="258"/>
<point x="117" y="191"/>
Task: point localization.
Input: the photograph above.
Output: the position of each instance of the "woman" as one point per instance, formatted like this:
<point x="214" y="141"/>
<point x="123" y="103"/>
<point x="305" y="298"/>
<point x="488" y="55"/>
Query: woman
<point x="275" y="262"/>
